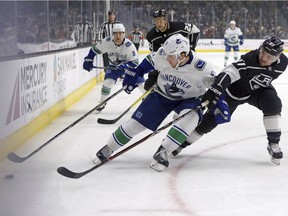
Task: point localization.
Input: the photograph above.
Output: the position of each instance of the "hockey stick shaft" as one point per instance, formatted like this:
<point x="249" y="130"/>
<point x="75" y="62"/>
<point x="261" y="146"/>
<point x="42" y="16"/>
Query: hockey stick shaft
<point x="113" y="121"/>
<point x="17" y="159"/>
<point x="106" y="68"/>
<point x="218" y="44"/>
<point x="70" y="174"/>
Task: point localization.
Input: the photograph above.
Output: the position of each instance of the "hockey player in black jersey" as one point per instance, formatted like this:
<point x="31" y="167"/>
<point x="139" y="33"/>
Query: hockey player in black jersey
<point x="249" y="81"/>
<point x="162" y="30"/>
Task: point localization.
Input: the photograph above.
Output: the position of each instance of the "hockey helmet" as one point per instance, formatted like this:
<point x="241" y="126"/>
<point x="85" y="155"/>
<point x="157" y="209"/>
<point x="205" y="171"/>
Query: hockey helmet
<point x="118" y="27"/>
<point x="160" y="13"/>
<point x="273" y="45"/>
<point x="232" y="22"/>
<point x="176" y="44"/>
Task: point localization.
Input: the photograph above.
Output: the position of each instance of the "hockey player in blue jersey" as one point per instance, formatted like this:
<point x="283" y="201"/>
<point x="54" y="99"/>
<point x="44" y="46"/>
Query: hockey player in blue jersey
<point x="183" y="79"/>
<point x="120" y="51"/>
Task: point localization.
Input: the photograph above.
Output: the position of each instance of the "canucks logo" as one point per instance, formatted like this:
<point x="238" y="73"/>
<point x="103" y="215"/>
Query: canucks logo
<point x="173" y="91"/>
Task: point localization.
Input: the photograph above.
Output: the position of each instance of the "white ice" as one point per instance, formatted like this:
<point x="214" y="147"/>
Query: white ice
<point x="227" y="173"/>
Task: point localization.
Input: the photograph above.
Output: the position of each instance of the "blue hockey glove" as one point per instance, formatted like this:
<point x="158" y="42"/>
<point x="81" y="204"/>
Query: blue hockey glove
<point x="130" y="81"/>
<point x="88" y="60"/>
<point x="126" y="66"/>
<point x="241" y="42"/>
<point x="122" y="67"/>
<point x="225" y="42"/>
<point x="221" y="112"/>
<point x="88" y="64"/>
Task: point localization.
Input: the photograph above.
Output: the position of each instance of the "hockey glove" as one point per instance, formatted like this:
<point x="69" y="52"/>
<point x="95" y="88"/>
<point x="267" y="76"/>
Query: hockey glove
<point x="152" y="79"/>
<point x="212" y="95"/>
<point x="225" y="42"/>
<point x="221" y="112"/>
<point x="88" y="61"/>
<point x="130" y="81"/>
<point x="124" y="67"/>
<point x="88" y="64"/>
<point x="241" y="42"/>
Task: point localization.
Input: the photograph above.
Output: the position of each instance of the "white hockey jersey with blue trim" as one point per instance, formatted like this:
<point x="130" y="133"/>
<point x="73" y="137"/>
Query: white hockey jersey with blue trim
<point x="232" y="36"/>
<point x="188" y="81"/>
<point x="124" y="53"/>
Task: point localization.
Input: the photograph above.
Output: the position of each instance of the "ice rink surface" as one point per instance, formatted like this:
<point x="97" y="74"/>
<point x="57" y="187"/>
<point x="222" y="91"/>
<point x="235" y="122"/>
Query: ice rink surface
<point x="227" y="172"/>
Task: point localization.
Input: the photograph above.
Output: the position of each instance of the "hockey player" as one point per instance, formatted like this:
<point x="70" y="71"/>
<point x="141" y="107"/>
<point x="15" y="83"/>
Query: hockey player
<point x="162" y="30"/>
<point x="183" y="78"/>
<point x="232" y="38"/>
<point x="121" y="51"/>
<point x="249" y="81"/>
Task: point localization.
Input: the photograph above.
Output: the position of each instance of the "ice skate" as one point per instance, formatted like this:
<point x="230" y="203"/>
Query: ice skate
<point x="102" y="155"/>
<point x="275" y="152"/>
<point x="160" y="159"/>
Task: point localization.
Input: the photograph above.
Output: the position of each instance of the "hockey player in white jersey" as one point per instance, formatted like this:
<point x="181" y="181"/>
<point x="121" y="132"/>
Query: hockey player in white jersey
<point x="232" y="38"/>
<point x="182" y="80"/>
<point x="121" y="51"/>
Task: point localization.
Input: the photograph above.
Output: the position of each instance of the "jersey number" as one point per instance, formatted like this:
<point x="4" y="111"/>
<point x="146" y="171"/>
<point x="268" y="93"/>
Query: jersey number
<point x="188" y="27"/>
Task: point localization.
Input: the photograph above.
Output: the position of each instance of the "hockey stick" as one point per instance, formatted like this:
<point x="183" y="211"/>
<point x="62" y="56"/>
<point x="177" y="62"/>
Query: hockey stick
<point x="220" y="44"/>
<point x="106" y="68"/>
<point x="113" y="121"/>
<point x="17" y="159"/>
<point x="75" y="175"/>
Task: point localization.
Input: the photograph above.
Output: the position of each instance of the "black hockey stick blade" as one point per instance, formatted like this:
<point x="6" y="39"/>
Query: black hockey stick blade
<point x="113" y="121"/>
<point x="17" y="159"/>
<point x="110" y="121"/>
<point x="75" y="175"/>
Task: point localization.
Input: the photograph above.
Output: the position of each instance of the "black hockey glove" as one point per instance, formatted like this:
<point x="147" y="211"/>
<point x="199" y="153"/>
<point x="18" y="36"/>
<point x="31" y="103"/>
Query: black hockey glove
<point x="212" y="95"/>
<point x="217" y="104"/>
<point x="151" y="80"/>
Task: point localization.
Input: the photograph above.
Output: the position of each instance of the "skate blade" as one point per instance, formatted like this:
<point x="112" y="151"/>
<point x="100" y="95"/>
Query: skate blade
<point x="275" y="161"/>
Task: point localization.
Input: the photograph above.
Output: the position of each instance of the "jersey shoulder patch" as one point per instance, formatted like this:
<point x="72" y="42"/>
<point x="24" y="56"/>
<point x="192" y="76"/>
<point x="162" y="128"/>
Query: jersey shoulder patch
<point x="128" y="43"/>
<point x="200" y="64"/>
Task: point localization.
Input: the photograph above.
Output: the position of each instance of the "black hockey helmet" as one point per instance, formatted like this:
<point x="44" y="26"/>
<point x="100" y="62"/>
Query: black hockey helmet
<point x="160" y="13"/>
<point x="273" y="45"/>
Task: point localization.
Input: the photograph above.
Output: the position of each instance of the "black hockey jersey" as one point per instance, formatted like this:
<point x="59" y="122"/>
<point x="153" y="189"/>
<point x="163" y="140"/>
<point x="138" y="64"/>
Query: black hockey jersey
<point x="248" y="76"/>
<point x="156" y="38"/>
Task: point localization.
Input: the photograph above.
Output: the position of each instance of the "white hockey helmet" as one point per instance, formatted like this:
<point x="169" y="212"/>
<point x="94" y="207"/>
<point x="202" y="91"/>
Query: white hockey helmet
<point x="176" y="44"/>
<point x="119" y="27"/>
<point x="232" y="22"/>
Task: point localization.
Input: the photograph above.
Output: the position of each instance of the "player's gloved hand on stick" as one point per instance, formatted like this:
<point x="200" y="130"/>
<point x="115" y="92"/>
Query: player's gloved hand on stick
<point x="241" y="42"/>
<point x="125" y="66"/>
<point x="88" y="64"/>
<point x="130" y="79"/>
<point x="152" y="79"/>
<point x="212" y="95"/>
<point x="217" y="104"/>
<point x="221" y="112"/>
<point x="88" y="61"/>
